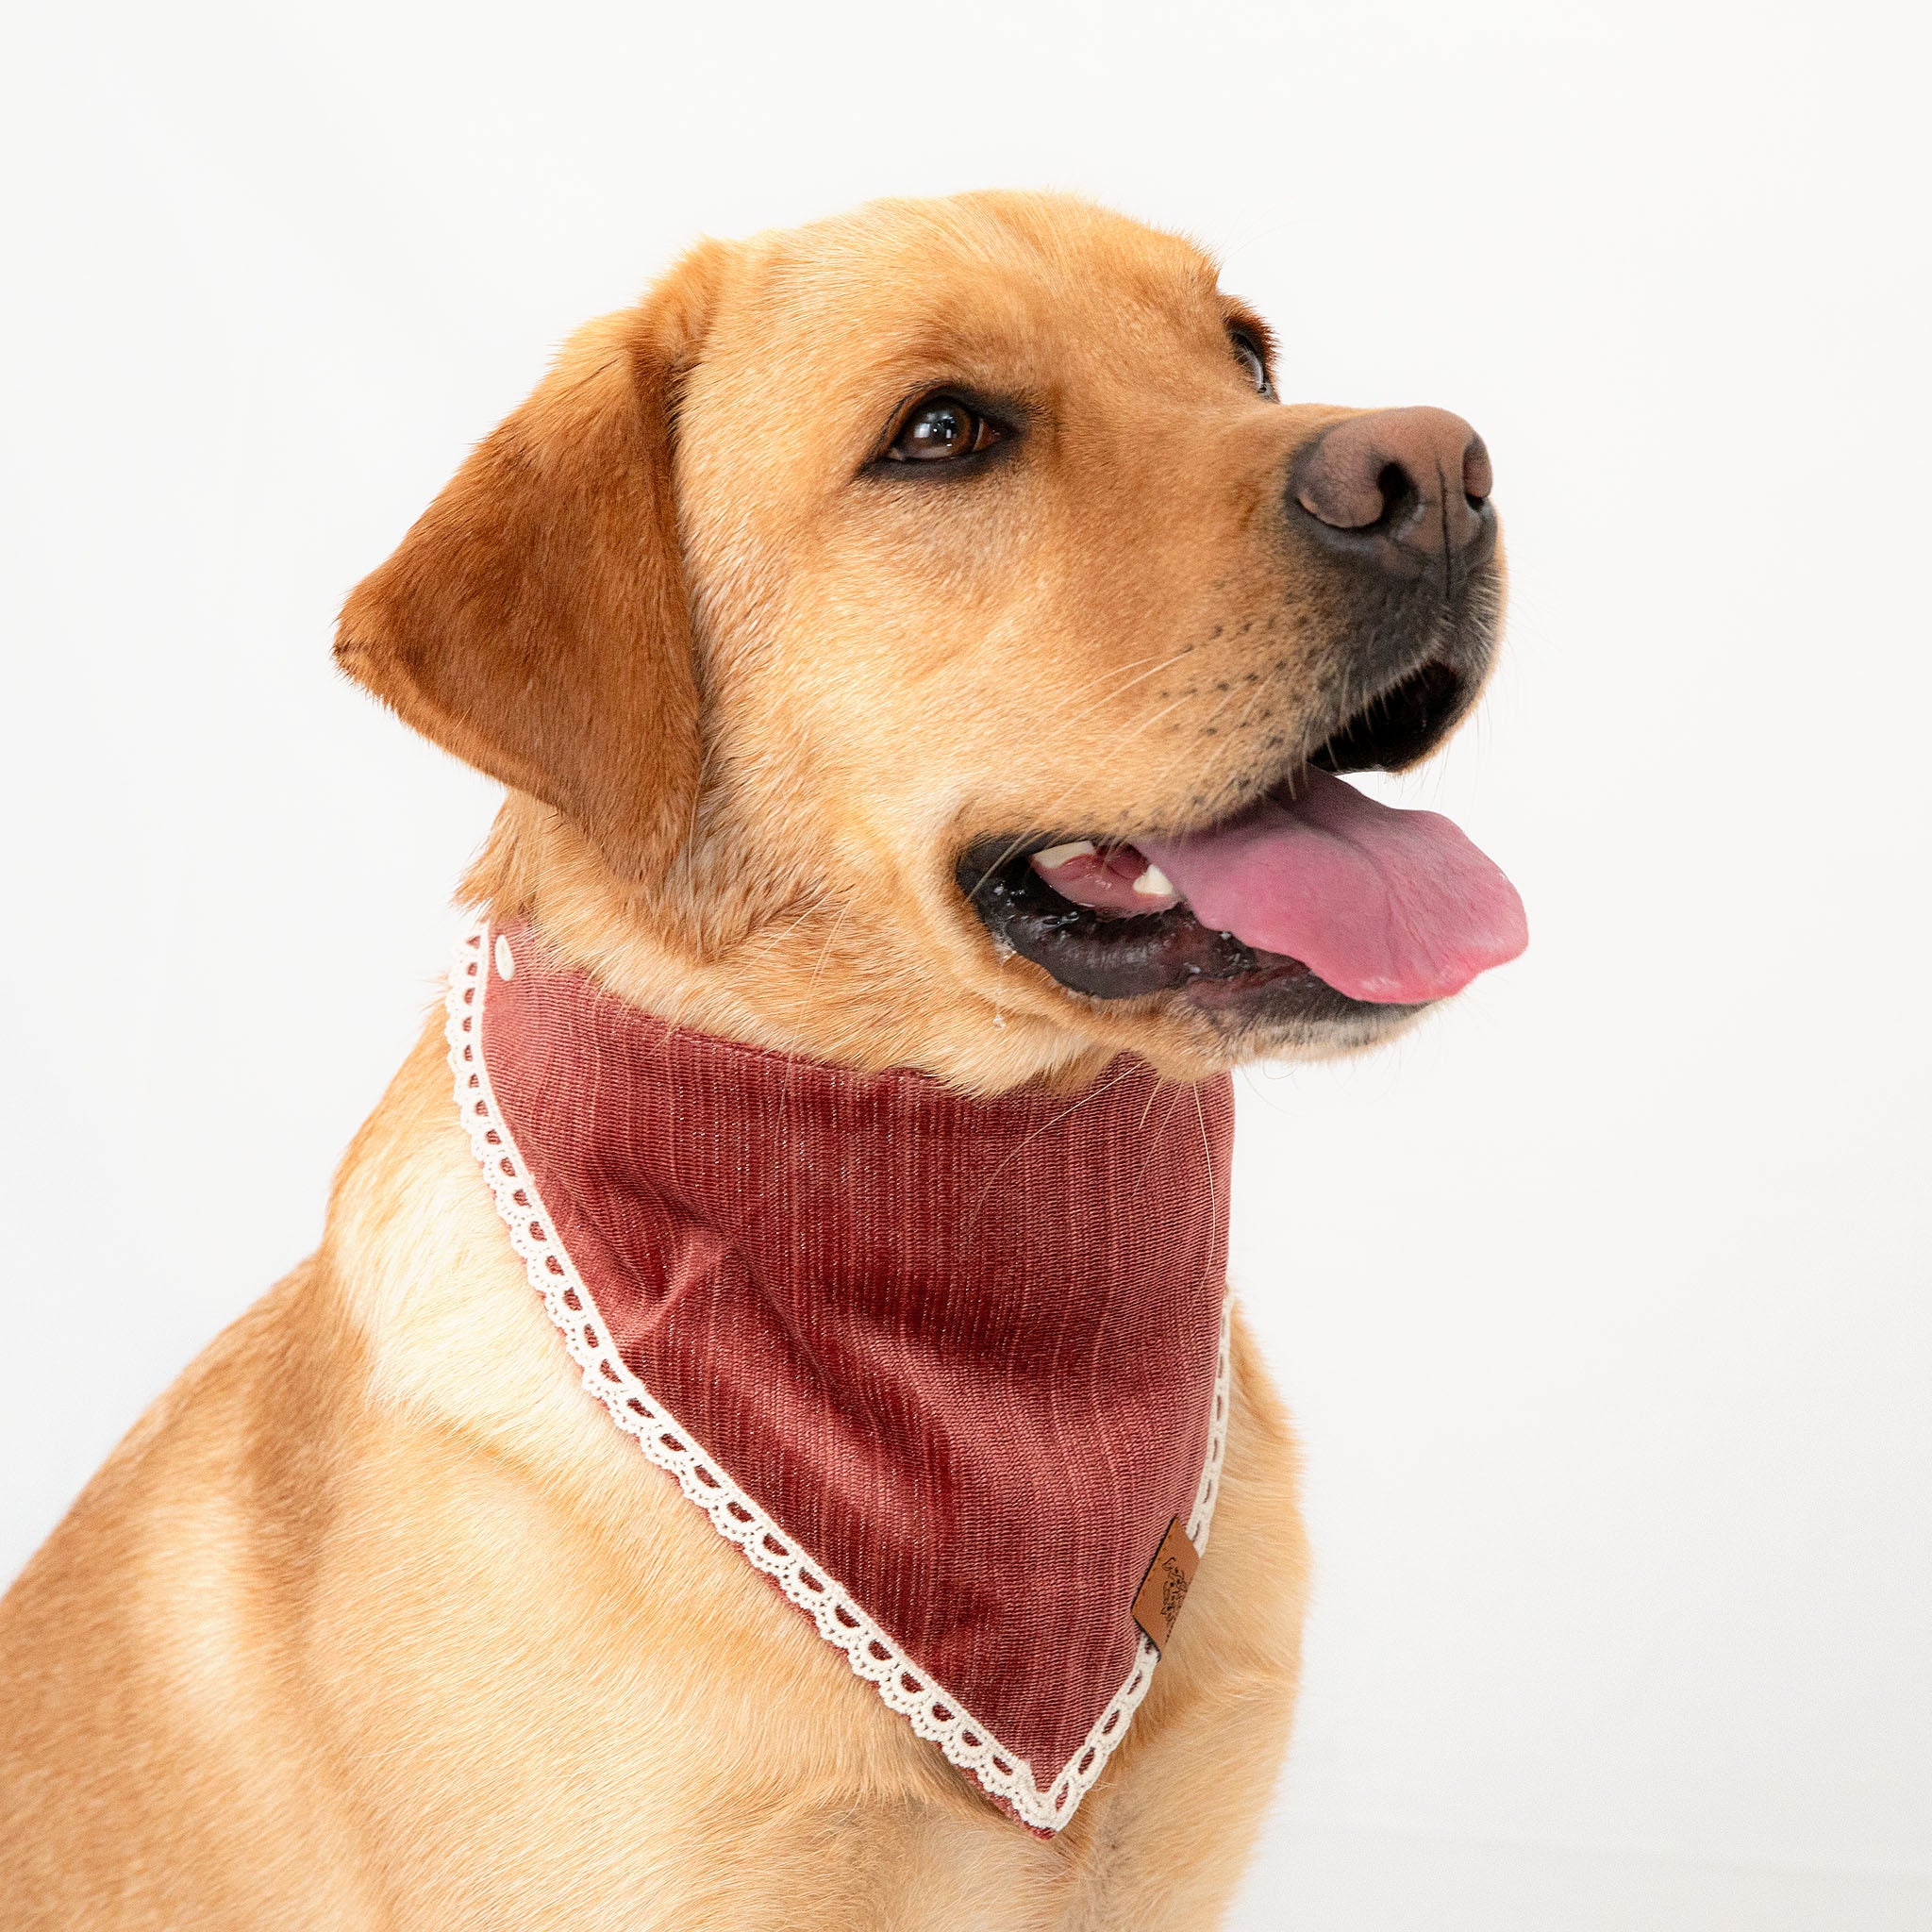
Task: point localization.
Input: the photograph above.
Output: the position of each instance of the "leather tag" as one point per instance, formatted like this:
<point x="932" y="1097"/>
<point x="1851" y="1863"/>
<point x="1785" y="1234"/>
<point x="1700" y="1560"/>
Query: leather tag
<point x="1164" y="1589"/>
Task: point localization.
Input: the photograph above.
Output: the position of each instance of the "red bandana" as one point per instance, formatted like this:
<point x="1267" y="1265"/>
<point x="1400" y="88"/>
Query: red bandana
<point x="952" y="1371"/>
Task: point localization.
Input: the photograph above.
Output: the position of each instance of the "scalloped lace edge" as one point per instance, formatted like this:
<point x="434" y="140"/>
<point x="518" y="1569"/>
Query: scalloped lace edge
<point x="933" y="1712"/>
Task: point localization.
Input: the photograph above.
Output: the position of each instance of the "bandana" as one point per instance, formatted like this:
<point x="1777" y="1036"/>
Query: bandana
<point x="951" y="1372"/>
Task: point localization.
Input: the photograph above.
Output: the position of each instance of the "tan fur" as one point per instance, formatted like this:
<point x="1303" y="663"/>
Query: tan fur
<point x="375" y="1621"/>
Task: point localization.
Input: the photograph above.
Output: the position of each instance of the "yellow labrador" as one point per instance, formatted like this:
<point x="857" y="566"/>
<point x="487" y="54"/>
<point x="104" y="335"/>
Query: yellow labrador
<point x="921" y="640"/>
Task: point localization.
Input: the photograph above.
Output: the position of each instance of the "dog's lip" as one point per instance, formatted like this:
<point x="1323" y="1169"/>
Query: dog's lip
<point x="1108" y="956"/>
<point x="1118" y="954"/>
<point x="1386" y="905"/>
<point x="1380" y="905"/>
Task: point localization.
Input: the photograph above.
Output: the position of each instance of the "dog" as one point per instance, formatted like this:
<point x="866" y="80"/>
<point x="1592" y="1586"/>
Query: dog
<point x="918" y="649"/>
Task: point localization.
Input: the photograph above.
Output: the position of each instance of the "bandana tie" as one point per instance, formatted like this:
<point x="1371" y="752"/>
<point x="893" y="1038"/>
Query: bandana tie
<point x="951" y="1372"/>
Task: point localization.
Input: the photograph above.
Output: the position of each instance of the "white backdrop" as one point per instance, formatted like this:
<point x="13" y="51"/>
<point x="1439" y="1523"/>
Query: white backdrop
<point x="1602" y="1303"/>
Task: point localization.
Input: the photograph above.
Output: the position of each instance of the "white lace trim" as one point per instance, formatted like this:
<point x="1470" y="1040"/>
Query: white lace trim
<point x="934" y="1713"/>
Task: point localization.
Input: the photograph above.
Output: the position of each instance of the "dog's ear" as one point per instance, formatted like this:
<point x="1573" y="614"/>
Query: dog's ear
<point x="534" y="621"/>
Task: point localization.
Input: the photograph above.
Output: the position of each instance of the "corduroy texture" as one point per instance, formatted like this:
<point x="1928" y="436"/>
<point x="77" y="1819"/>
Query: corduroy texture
<point x="964" y="1351"/>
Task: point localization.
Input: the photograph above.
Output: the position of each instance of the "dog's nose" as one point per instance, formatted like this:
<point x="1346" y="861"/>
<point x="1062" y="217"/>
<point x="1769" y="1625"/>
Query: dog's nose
<point x="1401" y="490"/>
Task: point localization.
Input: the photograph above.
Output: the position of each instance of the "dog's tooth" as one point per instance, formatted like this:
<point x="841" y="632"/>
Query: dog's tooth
<point x="1155" y="883"/>
<point x="1060" y="855"/>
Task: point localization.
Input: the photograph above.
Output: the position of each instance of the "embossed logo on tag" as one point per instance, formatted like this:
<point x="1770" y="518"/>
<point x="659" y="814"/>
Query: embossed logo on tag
<point x="1164" y="1589"/>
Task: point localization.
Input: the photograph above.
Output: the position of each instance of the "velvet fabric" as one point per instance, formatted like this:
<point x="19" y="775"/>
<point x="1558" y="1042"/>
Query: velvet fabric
<point x="963" y="1350"/>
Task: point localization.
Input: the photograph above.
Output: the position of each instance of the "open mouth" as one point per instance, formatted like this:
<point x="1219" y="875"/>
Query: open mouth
<point x="1312" y="897"/>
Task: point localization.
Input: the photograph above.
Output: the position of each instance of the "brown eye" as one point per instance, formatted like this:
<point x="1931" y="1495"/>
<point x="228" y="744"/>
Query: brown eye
<point x="1248" y="354"/>
<point x="940" y="428"/>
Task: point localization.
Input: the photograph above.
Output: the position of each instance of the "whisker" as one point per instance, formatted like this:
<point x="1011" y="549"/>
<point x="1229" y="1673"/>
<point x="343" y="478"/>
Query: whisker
<point x="1108" y="1081"/>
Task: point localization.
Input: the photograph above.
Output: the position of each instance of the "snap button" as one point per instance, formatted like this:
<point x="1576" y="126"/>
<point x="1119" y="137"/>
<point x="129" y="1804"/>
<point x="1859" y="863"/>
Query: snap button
<point x="506" y="959"/>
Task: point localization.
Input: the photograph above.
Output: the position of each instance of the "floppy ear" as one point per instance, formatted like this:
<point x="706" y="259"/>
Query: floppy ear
<point x="534" y="621"/>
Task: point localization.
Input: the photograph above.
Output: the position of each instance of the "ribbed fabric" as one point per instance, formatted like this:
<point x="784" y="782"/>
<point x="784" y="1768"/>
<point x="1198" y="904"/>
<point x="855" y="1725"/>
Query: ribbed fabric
<point x="963" y="1350"/>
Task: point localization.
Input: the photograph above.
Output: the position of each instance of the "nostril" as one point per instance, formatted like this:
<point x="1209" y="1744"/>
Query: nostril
<point x="1478" y="478"/>
<point x="1399" y="494"/>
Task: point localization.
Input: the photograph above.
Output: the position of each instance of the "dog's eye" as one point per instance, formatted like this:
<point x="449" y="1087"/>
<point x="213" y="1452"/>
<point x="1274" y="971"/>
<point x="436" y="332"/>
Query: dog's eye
<point x="938" y="428"/>
<point x="1248" y="353"/>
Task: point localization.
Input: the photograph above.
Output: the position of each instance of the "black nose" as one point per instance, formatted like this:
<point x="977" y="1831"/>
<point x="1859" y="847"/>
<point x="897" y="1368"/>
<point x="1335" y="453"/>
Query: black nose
<point x="1400" y="490"/>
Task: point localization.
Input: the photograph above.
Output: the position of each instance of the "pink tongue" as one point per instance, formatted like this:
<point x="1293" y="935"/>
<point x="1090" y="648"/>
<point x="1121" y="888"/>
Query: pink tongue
<point x="1383" y="905"/>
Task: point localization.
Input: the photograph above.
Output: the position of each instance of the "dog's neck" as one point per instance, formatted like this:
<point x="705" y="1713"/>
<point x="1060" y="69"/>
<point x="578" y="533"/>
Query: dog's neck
<point x="770" y="961"/>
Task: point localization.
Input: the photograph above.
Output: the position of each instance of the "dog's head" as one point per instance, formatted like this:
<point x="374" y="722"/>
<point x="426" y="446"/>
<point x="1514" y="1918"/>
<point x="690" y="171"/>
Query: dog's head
<point x="930" y="630"/>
